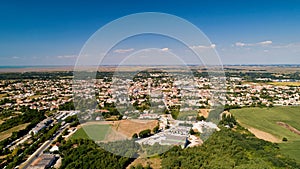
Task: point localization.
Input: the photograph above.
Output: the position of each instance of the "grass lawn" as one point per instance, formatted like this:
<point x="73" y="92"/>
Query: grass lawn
<point x="265" y="120"/>
<point x="95" y="132"/>
<point x="7" y="133"/>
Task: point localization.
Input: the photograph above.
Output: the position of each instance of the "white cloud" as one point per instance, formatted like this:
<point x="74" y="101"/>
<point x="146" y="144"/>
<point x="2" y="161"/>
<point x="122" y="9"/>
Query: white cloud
<point x="16" y="57"/>
<point x="67" y="56"/>
<point x="123" y="50"/>
<point x="263" y="43"/>
<point x="267" y="42"/>
<point x="165" y="49"/>
<point x="212" y="46"/>
<point x="289" y="45"/>
<point x="240" y="44"/>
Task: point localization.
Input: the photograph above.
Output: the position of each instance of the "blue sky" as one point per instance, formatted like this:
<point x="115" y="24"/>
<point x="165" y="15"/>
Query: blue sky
<point x="243" y="32"/>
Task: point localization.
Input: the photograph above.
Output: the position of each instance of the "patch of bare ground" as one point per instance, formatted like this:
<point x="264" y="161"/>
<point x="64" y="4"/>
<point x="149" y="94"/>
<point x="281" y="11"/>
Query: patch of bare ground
<point x="204" y="112"/>
<point x="113" y="135"/>
<point x="125" y="128"/>
<point x="292" y="129"/>
<point x="264" y="135"/>
<point x="154" y="163"/>
<point x="129" y="127"/>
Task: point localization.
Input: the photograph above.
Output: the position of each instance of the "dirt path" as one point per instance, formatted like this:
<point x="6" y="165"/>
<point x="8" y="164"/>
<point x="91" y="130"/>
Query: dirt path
<point x="292" y="129"/>
<point x="264" y="135"/>
<point x="155" y="163"/>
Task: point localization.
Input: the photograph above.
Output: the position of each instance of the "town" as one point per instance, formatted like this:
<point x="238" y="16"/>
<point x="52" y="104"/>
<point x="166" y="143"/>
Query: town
<point x="46" y="113"/>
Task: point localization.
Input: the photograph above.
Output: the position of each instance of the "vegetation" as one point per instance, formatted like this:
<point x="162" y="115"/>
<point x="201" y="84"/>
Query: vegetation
<point x="8" y="133"/>
<point x="145" y="133"/>
<point x="229" y="149"/>
<point x="35" y="75"/>
<point x="27" y="116"/>
<point x="21" y="153"/>
<point x="228" y="120"/>
<point x="85" y="154"/>
<point x="96" y="132"/>
<point x="265" y="119"/>
<point x="67" y="106"/>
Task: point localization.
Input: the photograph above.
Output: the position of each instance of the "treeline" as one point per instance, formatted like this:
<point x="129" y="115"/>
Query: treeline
<point x="21" y="152"/>
<point x="226" y="149"/>
<point x="28" y="116"/>
<point x="35" y="75"/>
<point x="85" y="154"/>
<point x="229" y="149"/>
<point x="67" y="106"/>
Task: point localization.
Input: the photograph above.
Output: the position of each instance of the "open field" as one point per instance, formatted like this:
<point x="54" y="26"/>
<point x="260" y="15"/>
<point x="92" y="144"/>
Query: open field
<point x="154" y="162"/>
<point x="113" y="130"/>
<point x="204" y="112"/>
<point x="2" y="95"/>
<point x="7" y="133"/>
<point x="260" y="120"/>
<point x="285" y="83"/>
<point x="96" y="132"/>
<point x="34" y="96"/>
<point x="129" y="127"/>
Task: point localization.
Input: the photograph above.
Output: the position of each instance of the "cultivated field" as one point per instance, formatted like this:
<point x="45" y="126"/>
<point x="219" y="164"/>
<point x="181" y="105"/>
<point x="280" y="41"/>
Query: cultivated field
<point x="7" y="133"/>
<point x="264" y="123"/>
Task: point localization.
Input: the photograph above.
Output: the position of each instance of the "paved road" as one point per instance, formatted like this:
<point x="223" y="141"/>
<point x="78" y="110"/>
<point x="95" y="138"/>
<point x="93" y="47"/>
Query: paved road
<point x="41" y="149"/>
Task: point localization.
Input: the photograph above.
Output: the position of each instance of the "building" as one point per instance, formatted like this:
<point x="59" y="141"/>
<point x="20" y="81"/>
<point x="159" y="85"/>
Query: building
<point x="44" y="161"/>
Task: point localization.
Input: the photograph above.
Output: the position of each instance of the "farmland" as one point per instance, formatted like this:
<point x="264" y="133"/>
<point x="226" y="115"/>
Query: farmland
<point x="265" y="120"/>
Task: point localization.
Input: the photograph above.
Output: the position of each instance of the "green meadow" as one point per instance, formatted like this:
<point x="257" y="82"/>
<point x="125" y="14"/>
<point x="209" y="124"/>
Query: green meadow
<point x="266" y="119"/>
<point x="95" y="132"/>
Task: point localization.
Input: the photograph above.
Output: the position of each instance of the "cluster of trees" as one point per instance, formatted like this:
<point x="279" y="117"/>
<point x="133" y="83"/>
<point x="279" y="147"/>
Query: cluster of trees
<point x="229" y="149"/>
<point x="67" y="106"/>
<point x="145" y="133"/>
<point x="36" y="75"/>
<point x="7" y="100"/>
<point x="83" y="153"/>
<point x="21" y="152"/>
<point x="27" y="116"/>
<point x="226" y="148"/>
<point x="228" y="120"/>
<point x="174" y="111"/>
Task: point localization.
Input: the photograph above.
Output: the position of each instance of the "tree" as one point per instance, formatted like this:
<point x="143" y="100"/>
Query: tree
<point x="145" y="133"/>
<point x="135" y="136"/>
<point x="155" y="129"/>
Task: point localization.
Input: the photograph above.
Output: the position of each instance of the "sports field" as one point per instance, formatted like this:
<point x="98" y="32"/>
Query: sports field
<point x="265" y="120"/>
<point x="96" y="132"/>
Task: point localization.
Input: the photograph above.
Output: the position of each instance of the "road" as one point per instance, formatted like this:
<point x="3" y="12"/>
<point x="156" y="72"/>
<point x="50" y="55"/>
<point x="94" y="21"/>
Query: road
<point x="42" y="148"/>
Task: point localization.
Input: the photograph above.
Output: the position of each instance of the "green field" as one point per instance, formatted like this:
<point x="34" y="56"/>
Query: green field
<point x="8" y="133"/>
<point x="96" y="132"/>
<point x="265" y="119"/>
